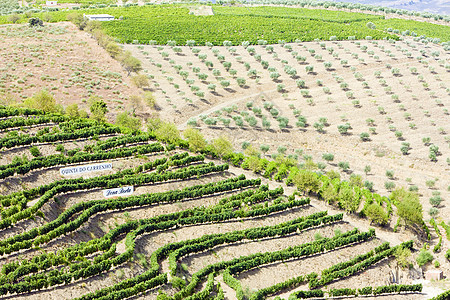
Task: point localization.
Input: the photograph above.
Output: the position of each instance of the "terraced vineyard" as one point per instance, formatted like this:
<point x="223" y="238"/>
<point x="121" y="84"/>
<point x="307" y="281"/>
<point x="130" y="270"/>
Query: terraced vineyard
<point x="185" y="227"/>
<point x="314" y="162"/>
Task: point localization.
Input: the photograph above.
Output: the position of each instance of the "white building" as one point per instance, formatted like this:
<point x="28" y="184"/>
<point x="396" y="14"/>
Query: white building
<point x="51" y="3"/>
<point x="102" y="17"/>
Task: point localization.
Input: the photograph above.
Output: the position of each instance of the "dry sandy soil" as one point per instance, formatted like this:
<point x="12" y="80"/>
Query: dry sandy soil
<point x="64" y="60"/>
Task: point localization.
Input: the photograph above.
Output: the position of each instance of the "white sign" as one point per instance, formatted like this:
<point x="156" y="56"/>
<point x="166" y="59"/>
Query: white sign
<point x="85" y="169"/>
<point x="122" y="191"/>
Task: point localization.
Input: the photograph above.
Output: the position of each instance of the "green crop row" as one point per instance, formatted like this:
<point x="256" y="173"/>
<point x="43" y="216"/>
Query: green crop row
<point x="296" y="252"/>
<point x="24" y="167"/>
<point x="296" y="13"/>
<point x="42" y="119"/>
<point x="360" y="262"/>
<point x="59" y="226"/>
<point x="444" y="296"/>
<point x="104" y="262"/>
<point x="22" y="140"/>
<point x="365" y="291"/>
<point x="8" y="111"/>
<point x="311" y="221"/>
<point x="344" y="270"/>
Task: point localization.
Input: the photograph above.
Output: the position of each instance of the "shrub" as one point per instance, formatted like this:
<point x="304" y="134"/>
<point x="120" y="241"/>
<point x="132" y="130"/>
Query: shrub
<point x="195" y="139"/>
<point x="413" y="188"/>
<point x="140" y="80"/>
<point x="343" y="129"/>
<point x="433" y="211"/>
<point x="403" y="254"/>
<point x="408" y="205"/>
<point x="344" y="165"/>
<point x="222" y="146"/>
<point x="424" y="257"/>
<point x="14" y="18"/>
<point x="98" y="109"/>
<point x="376" y="214"/>
<point x="42" y="100"/>
<point x="307" y="181"/>
<point x="389" y="185"/>
<point x="398" y="134"/>
<point x="368" y="185"/>
<point x="364" y="136"/>
<point x="129" y="122"/>
<point x="328" y="156"/>
<point x="319" y="127"/>
<point x="435" y="201"/>
<point x="35" y="151"/>
<point x="318" y="236"/>
<point x="33" y="22"/>
<point x="430" y="183"/>
<point x="264" y="148"/>
<point x="282" y="149"/>
<point x="390" y="174"/>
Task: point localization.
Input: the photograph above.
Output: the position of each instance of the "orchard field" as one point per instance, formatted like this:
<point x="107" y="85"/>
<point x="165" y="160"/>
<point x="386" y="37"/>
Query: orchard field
<point x="363" y="101"/>
<point x="259" y="152"/>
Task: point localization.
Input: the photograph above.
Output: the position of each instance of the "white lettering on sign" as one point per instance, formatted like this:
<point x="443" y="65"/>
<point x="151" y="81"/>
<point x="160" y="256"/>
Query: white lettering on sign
<point x="122" y="191"/>
<point x="85" y="169"/>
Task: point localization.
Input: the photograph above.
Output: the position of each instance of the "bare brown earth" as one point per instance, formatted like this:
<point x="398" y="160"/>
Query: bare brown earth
<point x="64" y="60"/>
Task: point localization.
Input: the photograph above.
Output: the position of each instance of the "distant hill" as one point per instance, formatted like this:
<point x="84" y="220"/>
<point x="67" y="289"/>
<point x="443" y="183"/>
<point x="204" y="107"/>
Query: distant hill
<point x="432" y="6"/>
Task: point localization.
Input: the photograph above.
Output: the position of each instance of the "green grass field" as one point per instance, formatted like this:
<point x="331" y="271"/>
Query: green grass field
<point x="174" y="22"/>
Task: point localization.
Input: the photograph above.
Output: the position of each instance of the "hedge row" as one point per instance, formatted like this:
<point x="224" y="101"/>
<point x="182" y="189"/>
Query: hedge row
<point x="345" y="270"/>
<point x="20" y="211"/>
<point x="81" y="250"/>
<point x="169" y="221"/>
<point x="444" y="296"/>
<point x="59" y="226"/>
<point x="104" y="262"/>
<point x="59" y="159"/>
<point x="437" y="247"/>
<point x="21" y="121"/>
<point x="269" y="231"/>
<point x="365" y="291"/>
<point x="25" y="139"/>
<point x="8" y="111"/>
<point x="305" y="249"/>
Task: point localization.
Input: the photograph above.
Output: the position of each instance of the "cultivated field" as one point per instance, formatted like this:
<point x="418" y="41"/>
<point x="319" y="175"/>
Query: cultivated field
<point x="62" y="238"/>
<point x="396" y="93"/>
